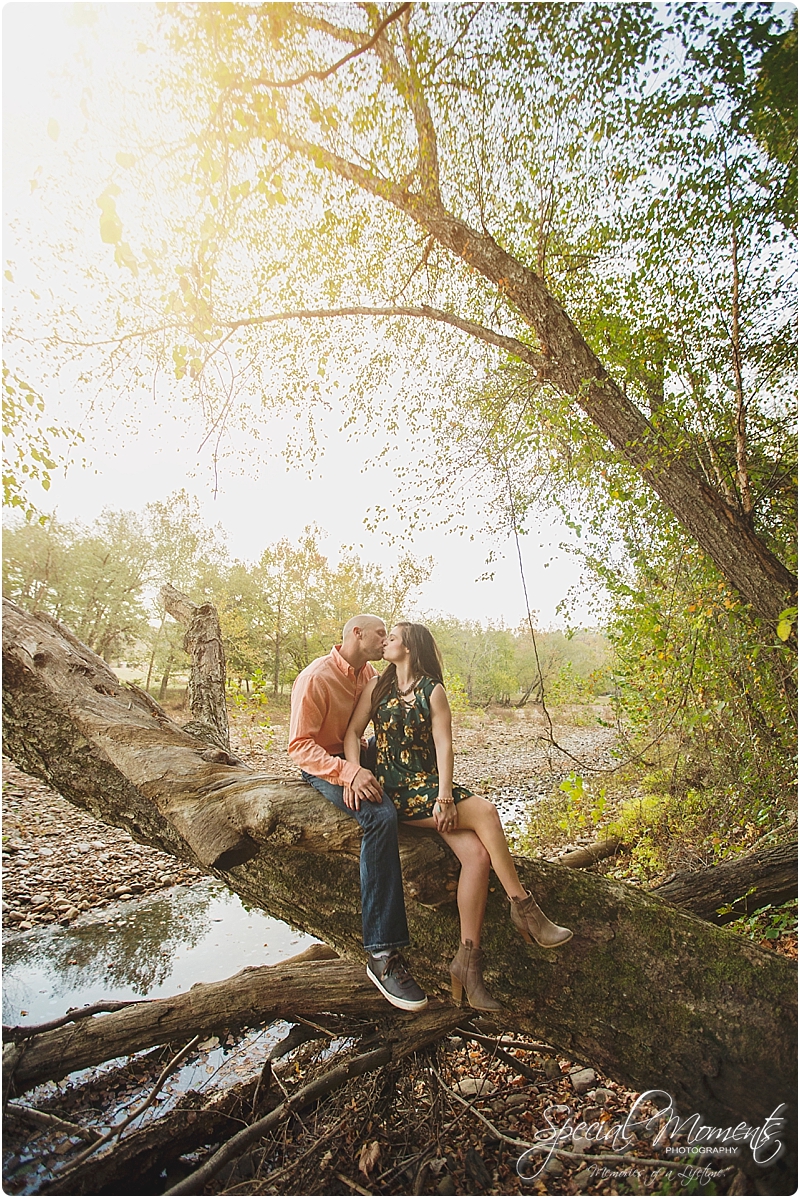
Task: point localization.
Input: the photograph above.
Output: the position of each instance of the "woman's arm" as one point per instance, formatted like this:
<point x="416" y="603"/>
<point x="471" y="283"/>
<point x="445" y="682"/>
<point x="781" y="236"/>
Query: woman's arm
<point x="358" y="722"/>
<point x="445" y="815"/>
<point x="364" y="785"/>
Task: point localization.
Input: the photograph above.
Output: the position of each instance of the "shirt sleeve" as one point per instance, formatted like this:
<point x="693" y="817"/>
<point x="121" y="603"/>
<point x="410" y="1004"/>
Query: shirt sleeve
<point x="308" y="711"/>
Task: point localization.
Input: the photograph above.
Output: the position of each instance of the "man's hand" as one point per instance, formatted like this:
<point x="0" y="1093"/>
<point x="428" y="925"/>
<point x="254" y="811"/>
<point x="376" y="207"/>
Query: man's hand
<point x="365" y="788"/>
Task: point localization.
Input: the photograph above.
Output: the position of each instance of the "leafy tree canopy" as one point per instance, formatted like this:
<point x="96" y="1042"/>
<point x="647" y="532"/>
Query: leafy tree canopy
<point x="589" y="192"/>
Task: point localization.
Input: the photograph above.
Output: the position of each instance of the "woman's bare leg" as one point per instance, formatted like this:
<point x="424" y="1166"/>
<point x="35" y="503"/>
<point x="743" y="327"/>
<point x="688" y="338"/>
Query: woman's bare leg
<point x="480" y="816"/>
<point x="473" y="882"/>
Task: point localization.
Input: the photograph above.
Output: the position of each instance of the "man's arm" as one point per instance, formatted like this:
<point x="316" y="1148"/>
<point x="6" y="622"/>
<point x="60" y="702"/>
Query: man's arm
<point x="308" y="712"/>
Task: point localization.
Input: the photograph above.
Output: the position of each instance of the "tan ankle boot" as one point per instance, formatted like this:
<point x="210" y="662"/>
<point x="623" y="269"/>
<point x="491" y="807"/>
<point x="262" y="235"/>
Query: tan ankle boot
<point x="532" y="924"/>
<point x="466" y="973"/>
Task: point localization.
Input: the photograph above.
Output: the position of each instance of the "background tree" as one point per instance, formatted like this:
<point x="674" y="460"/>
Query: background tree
<point x="186" y="554"/>
<point x="90" y="578"/>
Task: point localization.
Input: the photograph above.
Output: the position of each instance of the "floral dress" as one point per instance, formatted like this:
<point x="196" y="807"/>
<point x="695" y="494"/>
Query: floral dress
<point x="406" y="753"/>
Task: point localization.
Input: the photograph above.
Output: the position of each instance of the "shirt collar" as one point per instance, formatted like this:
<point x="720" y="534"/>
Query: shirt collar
<point x="342" y="664"/>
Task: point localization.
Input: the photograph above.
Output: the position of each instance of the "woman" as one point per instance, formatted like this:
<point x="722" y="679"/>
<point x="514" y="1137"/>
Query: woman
<point x="411" y="716"/>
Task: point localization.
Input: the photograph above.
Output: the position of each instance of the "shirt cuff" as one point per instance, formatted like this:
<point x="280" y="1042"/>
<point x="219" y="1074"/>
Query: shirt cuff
<point x="348" y="772"/>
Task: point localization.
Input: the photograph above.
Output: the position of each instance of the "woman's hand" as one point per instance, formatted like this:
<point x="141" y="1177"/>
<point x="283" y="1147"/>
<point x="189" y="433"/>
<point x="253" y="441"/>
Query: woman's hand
<point x="364" y="786"/>
<point x="445" y="815"/>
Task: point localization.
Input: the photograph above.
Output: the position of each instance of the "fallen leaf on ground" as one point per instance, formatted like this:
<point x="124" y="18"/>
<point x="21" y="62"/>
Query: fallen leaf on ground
<point x="369" y="1157"/>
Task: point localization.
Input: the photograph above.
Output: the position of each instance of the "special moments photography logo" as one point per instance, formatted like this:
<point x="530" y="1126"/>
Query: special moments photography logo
<point x="664" y="1126"/>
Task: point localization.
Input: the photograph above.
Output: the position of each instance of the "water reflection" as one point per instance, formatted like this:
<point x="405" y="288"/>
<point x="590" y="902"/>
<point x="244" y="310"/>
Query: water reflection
<point x="147" y="949"/>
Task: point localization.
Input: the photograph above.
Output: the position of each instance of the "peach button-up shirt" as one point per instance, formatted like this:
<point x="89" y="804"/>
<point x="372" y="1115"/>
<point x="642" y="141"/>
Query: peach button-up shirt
<point x="323" y="698"/>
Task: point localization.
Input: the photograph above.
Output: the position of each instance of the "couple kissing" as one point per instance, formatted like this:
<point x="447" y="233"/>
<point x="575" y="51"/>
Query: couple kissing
<point x="405" y="772"/>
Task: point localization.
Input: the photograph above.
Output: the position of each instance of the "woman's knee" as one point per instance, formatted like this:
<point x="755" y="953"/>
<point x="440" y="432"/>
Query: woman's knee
<point x="483" y="815"/>
<point x="474" y="854"/>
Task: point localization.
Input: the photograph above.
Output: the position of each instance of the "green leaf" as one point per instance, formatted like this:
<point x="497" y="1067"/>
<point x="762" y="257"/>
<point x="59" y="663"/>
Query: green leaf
<point x="786" y="621"/>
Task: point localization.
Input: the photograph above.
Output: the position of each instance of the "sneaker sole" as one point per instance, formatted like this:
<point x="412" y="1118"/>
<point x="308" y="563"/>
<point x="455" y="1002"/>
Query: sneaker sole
<point x="405" y="1004"/>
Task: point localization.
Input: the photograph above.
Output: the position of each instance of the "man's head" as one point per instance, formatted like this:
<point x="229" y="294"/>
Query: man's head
<point x="363" y="638"/>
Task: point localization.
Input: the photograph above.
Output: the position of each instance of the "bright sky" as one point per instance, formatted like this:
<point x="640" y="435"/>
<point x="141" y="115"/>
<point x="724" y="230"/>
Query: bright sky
<point x="136" y="457"/>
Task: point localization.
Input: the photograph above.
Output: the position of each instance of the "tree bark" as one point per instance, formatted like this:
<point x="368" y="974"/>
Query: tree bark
<point x="203" y="642"/>
<point x="767" y="876"/>
<point x="650" y="995"/>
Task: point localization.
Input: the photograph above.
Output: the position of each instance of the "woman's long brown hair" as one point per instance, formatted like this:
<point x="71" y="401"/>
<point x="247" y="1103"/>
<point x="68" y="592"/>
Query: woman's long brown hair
<point x="425" y="660"/>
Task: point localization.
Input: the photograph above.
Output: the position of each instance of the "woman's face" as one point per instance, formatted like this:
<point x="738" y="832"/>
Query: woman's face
<point x="394" y="649"/>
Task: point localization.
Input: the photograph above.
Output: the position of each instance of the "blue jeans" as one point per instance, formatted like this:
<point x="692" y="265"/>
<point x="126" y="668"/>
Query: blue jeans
<point x="383" y="908"/>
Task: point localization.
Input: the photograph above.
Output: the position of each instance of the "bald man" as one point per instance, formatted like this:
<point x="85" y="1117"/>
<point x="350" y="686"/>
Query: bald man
<point x="323" y="697"/>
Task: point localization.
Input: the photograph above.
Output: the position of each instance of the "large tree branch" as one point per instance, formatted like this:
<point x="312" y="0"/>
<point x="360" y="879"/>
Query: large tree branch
<point x="512" y="345"/>
<point x="408" y="85"/>
<point x="721" y="530"/>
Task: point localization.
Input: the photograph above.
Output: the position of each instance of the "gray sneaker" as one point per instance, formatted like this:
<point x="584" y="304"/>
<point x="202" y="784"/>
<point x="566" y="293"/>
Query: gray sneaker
<point x="395" y="983"/>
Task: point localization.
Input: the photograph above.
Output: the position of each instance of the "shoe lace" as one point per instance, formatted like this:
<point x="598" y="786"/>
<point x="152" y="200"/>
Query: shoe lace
<point x="396" y="966"/>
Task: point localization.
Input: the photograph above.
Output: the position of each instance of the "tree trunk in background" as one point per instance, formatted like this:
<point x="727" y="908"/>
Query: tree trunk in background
<point x="162" y="690"/>
<point x="203" y="642"/>
<point x="767" y="876"/>
<point x="656" y="998"/>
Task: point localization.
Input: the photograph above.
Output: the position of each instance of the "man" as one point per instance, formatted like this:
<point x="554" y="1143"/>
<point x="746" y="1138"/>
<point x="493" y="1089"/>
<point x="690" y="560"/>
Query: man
<point x="323" y="697"/>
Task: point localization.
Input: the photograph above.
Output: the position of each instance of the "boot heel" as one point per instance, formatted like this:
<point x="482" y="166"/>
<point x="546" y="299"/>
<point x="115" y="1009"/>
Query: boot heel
<point x="456" y="989"/>
<point x="526" y="936"/>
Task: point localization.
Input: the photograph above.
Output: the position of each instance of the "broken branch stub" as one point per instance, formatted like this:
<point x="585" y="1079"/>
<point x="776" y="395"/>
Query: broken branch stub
<point x="203" y="642"/>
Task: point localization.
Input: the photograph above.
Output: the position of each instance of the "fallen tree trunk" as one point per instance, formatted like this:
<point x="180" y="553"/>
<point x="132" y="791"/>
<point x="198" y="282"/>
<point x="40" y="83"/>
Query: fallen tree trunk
<point x="254" y="996"/>
<point x="735" y="888"/>
<point x="655" y="998"/>
<point x="198" y="1120"/>
<point x="592" y="853"/>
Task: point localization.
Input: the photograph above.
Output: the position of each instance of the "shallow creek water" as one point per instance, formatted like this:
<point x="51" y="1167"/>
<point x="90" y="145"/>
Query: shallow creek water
<point x="145" y="949"/>
<point x="150" y="948"/>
